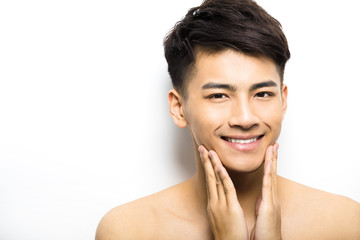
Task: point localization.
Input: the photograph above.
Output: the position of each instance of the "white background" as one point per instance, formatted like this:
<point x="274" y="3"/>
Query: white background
<point x="84" y="123"/>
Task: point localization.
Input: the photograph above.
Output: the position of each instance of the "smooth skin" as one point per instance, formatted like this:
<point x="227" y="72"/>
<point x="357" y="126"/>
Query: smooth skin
<point x="235" y="192"/>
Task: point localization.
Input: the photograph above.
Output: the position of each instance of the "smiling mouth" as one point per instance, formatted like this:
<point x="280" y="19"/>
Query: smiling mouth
<point x="242" y="141"/>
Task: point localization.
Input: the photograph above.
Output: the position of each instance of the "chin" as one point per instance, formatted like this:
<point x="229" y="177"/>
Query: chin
<point x="243" y="164"/>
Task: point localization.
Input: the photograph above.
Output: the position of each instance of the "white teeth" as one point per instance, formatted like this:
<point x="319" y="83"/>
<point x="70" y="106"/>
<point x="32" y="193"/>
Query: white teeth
<point x="236" y="140"/>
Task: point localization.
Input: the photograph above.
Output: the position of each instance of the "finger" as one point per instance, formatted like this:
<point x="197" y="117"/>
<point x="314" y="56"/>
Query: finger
<point x="209" y="174"/>
<point x="274" y="171"/>
<point x="275" y="156"/>
<point x="267" y="192"/>
<point x="229" y="188"/>
<point x="226" y="190"/>
<point x="215" y="160"/>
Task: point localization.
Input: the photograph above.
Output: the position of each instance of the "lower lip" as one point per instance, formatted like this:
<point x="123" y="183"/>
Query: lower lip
<point x="245" y="147"/>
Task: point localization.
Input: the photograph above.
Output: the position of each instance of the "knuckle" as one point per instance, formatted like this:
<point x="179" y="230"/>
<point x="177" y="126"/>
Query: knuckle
<point x="271" y="211"/>
<point x="267" y="183"/>
<point x="211" y="207"/>
<point x="210" y="176"/>
<point x="228" y="189"/>
<point x="268" y="209"/>
<point x="277" y="205"/>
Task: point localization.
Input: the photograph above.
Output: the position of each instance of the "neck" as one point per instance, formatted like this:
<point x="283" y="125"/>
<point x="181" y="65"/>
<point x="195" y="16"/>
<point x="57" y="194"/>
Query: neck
<point x="248" y="187"/>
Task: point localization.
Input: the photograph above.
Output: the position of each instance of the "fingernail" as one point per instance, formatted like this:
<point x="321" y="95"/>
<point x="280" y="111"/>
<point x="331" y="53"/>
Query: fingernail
<point x="276" y="146"/>
<point x="201" y="149"/>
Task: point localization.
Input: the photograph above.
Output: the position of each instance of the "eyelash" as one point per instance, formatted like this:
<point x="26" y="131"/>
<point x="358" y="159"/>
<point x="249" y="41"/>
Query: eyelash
<point x="217" y="96"/>
<point x="222" y="95"/>
<point x="270" y="94"/>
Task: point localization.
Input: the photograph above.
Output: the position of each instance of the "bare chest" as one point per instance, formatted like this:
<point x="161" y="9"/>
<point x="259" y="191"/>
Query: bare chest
<point x="172" y="228"/>
<point x="180" y="229"/>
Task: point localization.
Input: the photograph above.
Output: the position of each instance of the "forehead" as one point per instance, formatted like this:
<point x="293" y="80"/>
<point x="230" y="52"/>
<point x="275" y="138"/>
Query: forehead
<point x="232" y="67"/>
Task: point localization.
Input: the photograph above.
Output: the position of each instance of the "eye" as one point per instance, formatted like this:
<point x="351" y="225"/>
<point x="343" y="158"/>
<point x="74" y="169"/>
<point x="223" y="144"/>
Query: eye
<point x="264" y="94"/>
<point x="217" y="96"/>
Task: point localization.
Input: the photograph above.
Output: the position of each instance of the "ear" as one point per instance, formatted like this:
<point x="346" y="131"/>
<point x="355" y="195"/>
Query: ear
<point x="176" y="108"/>
<point x="284" y="95"/>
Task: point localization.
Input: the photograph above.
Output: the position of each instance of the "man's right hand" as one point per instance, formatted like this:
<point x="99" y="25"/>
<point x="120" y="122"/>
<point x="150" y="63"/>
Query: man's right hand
<point x="225" y="213"/>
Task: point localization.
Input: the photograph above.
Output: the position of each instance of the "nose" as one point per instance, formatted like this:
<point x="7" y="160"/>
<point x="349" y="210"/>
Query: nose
<point x="243" y="115"/>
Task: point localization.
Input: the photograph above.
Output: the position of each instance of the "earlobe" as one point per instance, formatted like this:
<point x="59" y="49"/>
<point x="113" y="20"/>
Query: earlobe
<point x="176" y="108"/>
<point x="284" y="95"/>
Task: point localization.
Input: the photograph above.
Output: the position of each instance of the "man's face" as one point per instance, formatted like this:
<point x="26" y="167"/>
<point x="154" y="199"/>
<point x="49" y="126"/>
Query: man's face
<point x="235" y="106"/>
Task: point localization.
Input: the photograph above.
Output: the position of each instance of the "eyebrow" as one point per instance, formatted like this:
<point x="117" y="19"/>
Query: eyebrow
<point x="263" y="84"/>
<point x="232" y="88"/>
<point x="211" y="85"/>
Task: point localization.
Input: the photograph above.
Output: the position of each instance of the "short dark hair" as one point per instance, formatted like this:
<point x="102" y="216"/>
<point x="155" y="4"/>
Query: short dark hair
<point x="218" y="25"/>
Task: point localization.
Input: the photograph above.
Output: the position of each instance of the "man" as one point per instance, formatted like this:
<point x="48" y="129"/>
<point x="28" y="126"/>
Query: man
<point x="226" y="59"/>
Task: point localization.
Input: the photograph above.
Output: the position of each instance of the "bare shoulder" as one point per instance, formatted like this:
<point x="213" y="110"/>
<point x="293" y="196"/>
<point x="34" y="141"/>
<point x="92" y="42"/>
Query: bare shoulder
<point x="127" y="221"/>
<point x="318" y="212"/>
<point x="153" y="217"/>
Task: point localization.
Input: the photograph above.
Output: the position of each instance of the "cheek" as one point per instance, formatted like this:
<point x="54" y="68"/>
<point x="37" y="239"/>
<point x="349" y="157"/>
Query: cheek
<point x="277" y="127"/>
<point x="273" y="119"/>
<point x="203" y="123"/>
